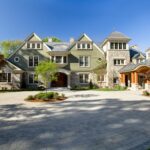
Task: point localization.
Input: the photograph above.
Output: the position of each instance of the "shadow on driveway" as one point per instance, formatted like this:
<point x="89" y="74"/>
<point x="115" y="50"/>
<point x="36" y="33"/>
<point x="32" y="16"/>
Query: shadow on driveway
<point x="78" y="125"/>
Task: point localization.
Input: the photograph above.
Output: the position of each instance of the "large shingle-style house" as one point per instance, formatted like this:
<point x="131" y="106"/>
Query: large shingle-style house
<point x="78" y="62"/>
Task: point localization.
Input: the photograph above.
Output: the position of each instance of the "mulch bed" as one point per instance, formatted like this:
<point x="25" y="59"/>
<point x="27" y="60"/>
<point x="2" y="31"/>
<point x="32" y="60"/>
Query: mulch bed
<point x="47" y="100"/>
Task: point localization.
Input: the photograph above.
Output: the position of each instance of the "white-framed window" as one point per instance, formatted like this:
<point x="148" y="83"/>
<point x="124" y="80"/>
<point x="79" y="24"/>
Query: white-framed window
<point x="33" y="61"/>
<point x="118" y="46"/>
<point x="84" y="61"/>
<point x="28" y="46"/>
<point x="16" y="59"/>
<point x="101" y="78"/>
<point x="119" y="62"/>
<point x="84" y="45"/>
<point x="5" y="77"/>
<point x="31" y="79"/>
<point x="83" y="78"/>
<point x="33" y="45"/>
<point x="59" y="59"/>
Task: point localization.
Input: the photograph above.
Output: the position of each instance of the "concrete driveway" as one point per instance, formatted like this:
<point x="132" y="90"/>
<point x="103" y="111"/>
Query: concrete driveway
<point x="87" y="120"/>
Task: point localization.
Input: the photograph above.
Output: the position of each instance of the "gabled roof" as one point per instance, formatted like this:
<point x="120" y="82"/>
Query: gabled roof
<point x="117" y="35"/>
<point x="73" y="44"/>
<point x="27" y="39"/>
<point x="131" y="67"/>
<point x="135" y="53"/>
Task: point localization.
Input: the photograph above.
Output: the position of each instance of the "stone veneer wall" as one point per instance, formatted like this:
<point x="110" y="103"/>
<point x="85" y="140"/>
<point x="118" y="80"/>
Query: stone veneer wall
<point x="112" y="70"/>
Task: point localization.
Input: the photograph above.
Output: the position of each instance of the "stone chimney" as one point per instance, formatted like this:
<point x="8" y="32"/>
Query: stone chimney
<point x="50" y="40"/>
<point x="72" y="40"/>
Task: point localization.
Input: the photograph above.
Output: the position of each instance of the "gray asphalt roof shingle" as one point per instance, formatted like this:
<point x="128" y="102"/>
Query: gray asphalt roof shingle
<point x="129" y="67"/>
<point x="117" y="35"/>
<point x="58" y="46"/>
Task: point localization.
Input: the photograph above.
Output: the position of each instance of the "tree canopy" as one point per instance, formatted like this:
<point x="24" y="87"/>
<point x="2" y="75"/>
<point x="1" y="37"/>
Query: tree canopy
<point x="8" y="47"/>
<point x="46" y="70"/>
<point x="54" y="39"/>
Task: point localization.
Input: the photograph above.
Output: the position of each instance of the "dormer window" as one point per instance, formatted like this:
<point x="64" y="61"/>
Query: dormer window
<point x="78" y="46"/>
<point x="33" y="45"/>
<point x="28" y="45"/>
<point x="88" y="46"/>
<point x="38" y="45"/>
<point x="84" y="45"/>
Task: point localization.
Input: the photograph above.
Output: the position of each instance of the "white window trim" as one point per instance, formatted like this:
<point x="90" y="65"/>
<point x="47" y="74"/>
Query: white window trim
<point x="33" y="61"/>
<point x="120" y="60"/>
<point x="89" y="64"/>
<point x="36" y="43"/>
<point x="81" y="46"/>
<point x="62" y="59"/>
<point x="83" y="83"/>
<point x="118" y="46"/>
<point x="7" y="78"/>
<point x="34" y="83"/>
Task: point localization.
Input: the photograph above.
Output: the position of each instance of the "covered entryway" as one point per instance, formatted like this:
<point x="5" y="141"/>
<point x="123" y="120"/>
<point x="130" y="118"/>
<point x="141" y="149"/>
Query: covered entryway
<point x="62" y="80"/>
<point x="139" y="78"/>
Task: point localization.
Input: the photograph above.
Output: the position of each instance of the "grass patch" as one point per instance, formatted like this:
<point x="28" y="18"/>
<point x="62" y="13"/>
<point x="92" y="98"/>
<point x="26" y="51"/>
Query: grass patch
<point x="46" y="97"/>
<point x="115" y="88"/>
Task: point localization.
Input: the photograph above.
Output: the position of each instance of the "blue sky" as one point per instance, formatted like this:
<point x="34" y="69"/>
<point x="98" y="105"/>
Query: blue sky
<point x="70" y="18"/>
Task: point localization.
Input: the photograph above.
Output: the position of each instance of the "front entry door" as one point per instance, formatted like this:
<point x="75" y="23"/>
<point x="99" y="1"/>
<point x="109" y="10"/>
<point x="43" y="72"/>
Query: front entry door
<point x="61" y="80"/>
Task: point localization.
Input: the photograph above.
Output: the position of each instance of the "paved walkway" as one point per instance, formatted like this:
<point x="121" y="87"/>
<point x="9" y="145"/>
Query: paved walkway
<point x="88" y="120"/>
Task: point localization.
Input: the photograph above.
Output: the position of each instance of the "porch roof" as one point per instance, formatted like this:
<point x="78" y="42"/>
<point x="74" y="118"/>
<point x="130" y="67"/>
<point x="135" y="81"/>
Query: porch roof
<point x="131" y="66"/>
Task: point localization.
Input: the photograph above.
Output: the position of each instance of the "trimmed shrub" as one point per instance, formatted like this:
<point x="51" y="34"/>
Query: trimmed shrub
<point x="30" y="97"/>
<point x="146" y="93"/>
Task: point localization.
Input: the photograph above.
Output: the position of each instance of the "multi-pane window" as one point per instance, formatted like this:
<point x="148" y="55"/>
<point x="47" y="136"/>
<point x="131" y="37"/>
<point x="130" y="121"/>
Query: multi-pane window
<point x="28" y="45"/>
<point x="38" y="45"/>
<point x="124" y="45"/>
<point x="117" y="45"/>
<point x="84" y="61"/>
<point x="84" y="46"/>
<point x="59" y="59"/>
<point x="120" y="45"/>
<point x="35" y="45"/>
<point x="119" y="61"/>
<point x="112" y="45"/>
<point x="33" y="61"/>
<point x="84" y="78"/>
<point x="101" y="78"/>
<point x="5" y="77"/>
<point x="32" y="79"/>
